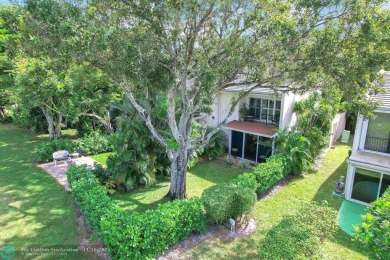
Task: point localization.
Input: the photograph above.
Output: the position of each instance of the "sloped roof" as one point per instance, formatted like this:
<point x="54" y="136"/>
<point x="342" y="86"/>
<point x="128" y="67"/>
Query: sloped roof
<point x="384" y="98"/>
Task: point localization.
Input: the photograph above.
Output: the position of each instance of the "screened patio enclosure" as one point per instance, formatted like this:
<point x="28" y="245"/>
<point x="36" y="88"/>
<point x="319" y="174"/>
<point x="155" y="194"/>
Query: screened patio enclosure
<point x="250" y="141"/>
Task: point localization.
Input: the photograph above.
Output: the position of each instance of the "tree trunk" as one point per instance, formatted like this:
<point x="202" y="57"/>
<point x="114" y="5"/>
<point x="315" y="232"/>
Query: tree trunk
<point x="57" y="130"/>
<point x="178" y="175"/>
<point x="2" y="112"/>
<point x="49" y="119"/>
<point x="105" y="122"/>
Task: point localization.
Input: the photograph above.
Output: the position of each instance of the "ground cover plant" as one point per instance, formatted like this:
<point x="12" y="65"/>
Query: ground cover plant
<point x="35" y="211"/>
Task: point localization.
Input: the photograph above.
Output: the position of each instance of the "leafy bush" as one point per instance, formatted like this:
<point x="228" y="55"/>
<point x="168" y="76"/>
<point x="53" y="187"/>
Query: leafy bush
<point x="217" y="145"/>
<point x="269" y="173"/>
<point x="246" y="180"/>
<point x="314" y="118"/>
<point x="137" y="158"/>
<point x="32" y="119"/>
<point x="297" y="149"/>
<point x="6" y="120"/>
<point x="45" y="150"/>
<point x="375" y="229"/>
<point x="300" y="236"/>
<point x="136" y="236"/>
<point x="227" y="201"/>
<point x="95" y="143"/>
<point x="104" y="178"/>
<point x="86" y="126"/>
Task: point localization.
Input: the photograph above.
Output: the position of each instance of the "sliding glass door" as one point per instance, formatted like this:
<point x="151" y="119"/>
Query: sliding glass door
<point x="368" y="185"/>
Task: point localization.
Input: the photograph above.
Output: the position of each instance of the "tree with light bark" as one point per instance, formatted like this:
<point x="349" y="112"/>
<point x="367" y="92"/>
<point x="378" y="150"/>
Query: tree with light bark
<point x="189" y="51"/>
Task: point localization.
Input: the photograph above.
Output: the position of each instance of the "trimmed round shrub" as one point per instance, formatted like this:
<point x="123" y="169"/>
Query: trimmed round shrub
<point x="227" y="201"/>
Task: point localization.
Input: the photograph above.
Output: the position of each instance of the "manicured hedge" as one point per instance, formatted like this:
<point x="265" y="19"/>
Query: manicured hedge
<point x="136" y="236"/>
<point x="227" y="200"/>
<point x="231" y="200"/>
<point x="269" y="173"/>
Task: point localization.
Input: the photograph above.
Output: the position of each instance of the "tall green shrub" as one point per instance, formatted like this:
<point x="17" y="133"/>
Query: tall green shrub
<point x="374" y="232"/>
<point x="296" y="148"/>
<point x="314" y="118"/>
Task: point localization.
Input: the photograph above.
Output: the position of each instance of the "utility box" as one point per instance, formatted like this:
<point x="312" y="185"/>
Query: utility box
<point x="345" y="136"/>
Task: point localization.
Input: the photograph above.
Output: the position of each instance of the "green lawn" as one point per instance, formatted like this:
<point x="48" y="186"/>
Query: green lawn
<point x="200" y="177"/>
<point x="269" y="212"/>
<point x="101" y="158"/>
<point x="35" y="211"/>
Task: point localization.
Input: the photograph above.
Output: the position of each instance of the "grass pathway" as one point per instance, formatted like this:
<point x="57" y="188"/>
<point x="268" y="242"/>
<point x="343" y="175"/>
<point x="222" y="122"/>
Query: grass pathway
<point x="269" y="212"/>
<point x="35" y="211"/>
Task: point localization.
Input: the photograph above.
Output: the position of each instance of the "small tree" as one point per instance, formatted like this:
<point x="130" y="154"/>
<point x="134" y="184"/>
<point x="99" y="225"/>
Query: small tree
<point x="314" y="118"/>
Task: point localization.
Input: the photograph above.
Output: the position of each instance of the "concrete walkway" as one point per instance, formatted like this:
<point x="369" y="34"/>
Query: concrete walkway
<point x="59" y="171"/>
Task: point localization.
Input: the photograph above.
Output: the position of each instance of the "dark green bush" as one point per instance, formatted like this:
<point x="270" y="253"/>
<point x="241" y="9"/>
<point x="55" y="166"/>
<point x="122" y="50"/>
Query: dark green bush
<point x="227" y="200"/>
<point x="32" y="119"/>
<point x="374" y="232"/>
<point x="217" y="145"/>
<point x="95" y="143"/>
<point x="300" y="236"/>
<point x="137" y="236"/>
<point x="269" y="173"/>
<point x="6" y="120"/>
<point x="44" y="151"/>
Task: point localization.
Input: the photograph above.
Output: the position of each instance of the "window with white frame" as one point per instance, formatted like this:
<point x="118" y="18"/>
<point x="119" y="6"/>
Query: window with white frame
<point x="264" y="109"/>
<point x="378" y="133"/>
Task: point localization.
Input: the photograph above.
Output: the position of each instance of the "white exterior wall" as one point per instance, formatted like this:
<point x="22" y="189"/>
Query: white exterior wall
<point x="288" y="119"/>
<point x="337" y="127"/>
<point x="221" y="108"/>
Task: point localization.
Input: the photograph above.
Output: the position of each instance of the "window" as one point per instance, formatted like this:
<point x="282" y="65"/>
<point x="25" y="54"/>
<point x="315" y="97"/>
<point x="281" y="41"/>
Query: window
<point x="264" y="109"/>
<point x="378" y="133"/>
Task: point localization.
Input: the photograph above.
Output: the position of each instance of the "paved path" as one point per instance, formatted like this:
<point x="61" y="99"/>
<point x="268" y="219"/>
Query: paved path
<point x="59" y="171"/>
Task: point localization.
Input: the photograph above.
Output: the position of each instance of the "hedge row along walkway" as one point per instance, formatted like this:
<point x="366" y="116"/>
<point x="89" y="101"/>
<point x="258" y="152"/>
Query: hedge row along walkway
<point x="35" y="212"/>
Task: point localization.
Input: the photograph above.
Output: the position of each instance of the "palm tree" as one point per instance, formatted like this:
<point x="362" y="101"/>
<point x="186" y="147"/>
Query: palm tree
<point x="297" y="148"/>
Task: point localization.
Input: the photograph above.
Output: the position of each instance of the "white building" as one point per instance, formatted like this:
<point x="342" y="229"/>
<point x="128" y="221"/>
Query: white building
<point x="368" y="173"/>
<point x="253" y="137"/>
